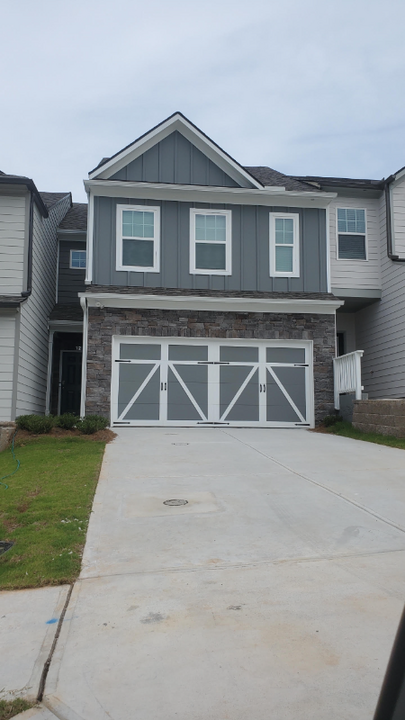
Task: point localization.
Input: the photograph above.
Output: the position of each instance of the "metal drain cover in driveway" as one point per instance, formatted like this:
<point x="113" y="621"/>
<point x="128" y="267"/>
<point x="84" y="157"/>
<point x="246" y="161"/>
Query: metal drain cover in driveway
<point x="175" y="503"/>
<point x="4" y="546"/>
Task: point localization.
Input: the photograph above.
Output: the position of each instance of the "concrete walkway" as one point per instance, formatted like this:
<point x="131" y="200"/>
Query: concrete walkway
<point x="274" y="593"/>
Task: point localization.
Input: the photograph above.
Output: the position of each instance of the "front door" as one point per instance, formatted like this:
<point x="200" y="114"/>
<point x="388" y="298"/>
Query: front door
<point x="70" y="381"/>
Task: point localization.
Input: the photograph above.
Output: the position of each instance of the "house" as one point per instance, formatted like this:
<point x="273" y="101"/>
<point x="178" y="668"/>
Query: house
<point x="28" y="224"/>
<point x="208" y="291"/>
<point x="367" y="245"/>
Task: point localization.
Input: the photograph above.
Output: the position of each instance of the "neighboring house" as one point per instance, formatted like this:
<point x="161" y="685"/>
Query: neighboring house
<point x="367" y="242"/>
<point x="28" y="223"/>
<point x="208" y="291"/>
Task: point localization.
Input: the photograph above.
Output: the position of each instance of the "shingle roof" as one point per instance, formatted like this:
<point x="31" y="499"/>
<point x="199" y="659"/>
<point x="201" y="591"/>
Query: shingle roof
<point x="51" y="198"/>
<point x="74" y="313"/>
<point x="75" y="218"/>
<point x="342" y="182"/>
<point x="270" y="177"/>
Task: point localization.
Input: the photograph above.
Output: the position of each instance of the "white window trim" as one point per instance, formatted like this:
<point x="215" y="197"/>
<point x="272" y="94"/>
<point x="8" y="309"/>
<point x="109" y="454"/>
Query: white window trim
<point x="228" y="242"/>
<point x="73" y="267"/>
<point x="296" y="247"/>
<point x="350" y="260"/>
<point x="156" y="239"/>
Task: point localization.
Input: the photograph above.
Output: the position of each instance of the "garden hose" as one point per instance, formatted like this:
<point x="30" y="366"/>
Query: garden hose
<point x="14" y="458"/>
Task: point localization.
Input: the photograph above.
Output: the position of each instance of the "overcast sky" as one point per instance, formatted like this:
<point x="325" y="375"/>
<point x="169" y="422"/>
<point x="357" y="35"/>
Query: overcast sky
<point x="304" y="86"/>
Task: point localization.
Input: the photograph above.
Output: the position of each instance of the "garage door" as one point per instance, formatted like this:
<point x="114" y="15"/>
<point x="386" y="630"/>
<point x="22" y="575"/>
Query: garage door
<point x="180" y="381"/>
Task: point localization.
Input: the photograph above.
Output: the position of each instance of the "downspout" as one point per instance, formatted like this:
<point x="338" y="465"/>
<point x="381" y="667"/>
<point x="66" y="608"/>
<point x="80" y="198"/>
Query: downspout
<point x="394" y="258"/>
<point x="28" y="291"/>
<point x="83" y="303"/>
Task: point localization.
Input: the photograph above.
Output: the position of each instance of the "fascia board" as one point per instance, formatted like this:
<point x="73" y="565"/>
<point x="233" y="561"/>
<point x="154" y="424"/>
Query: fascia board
<point x="68" y="233"/>
<point x="203" y="193"/>
<point x="189" y="302"/>
<point x="202" y="142"/>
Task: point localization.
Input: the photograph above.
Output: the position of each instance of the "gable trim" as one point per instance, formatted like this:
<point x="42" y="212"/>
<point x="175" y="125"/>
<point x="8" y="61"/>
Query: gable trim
<point x="202" y="142"/>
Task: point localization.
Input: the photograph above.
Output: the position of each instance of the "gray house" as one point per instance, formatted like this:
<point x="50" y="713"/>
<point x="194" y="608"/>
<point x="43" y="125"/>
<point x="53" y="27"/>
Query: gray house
<point x="208" y="291"/>
<point x="28" y="223"/>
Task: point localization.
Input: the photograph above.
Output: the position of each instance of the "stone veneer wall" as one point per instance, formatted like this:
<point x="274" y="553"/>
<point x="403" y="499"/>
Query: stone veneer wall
<point x="380" y="416"/>
<point x="106" y="322"/>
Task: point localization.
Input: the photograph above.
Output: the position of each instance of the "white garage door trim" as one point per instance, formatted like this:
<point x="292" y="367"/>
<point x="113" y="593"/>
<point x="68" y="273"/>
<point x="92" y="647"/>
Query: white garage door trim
<point x="228" y="380"/>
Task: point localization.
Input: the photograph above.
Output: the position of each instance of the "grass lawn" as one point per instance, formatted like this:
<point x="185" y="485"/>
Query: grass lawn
<point x="46" y="508"/>
<point x="346" y="429"/>
<point x="10" y="708"/>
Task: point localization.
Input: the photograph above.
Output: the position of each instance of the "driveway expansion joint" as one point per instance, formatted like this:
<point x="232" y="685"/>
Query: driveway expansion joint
<point x="52" y="650"/>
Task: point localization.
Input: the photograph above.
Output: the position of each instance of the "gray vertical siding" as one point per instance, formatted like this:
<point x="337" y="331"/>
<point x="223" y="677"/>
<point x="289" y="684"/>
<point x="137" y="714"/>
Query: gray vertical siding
<point x="70" y="282"/>
<point x="175" y="160"/>
<point x="250" y="249"/>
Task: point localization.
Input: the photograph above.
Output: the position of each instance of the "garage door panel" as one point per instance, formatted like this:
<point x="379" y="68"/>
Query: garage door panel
<point x="278" y="407"/>
<point x="195" y="378"/>
<point x="181" y="403"/>
<point x="285" y="355"/>
<point x="246" y="407"/>
<point x="138" y="395"/>
<point x="184" y="353"/>
<point x="228" y="353"/>
<point x="293" y="380"/>
<point x="132" y="351"/>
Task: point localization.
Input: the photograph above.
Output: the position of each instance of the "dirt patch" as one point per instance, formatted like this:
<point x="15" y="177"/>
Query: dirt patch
<point x="99" y="436"/>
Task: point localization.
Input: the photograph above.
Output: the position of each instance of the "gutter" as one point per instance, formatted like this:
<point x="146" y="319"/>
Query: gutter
<point x="30" y="185"/>
<point x="388" y="221"/>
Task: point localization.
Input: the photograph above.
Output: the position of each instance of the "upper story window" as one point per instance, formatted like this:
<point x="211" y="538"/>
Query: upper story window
<point x="77" y="260"/>
<point x="284" y="245"/>
<point x="210" y="242"/>
<point x="138" y="238"/>
<point x="351" y="226"/>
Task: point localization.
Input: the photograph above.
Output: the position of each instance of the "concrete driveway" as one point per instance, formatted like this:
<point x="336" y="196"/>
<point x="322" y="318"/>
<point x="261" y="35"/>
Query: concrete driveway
<point x="275" y="592"/>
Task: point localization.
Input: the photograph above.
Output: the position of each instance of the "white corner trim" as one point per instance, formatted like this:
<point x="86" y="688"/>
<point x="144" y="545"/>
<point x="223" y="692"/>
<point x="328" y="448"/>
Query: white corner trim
<point x="191" y="133"/>
<point x="89" y="238"/>
<point x="328" y="251"/>
<point x="226" y="304"/>
<point x="83" y="303"/>
<point x="49" y="373"/>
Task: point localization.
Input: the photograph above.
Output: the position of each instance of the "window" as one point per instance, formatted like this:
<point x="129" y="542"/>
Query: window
<point x="138" y="238"/>
<point x="210" y="242"/>
<point x="284" y="245"/>
<point x="351" y="225"/>
<point x="77" y="260"/>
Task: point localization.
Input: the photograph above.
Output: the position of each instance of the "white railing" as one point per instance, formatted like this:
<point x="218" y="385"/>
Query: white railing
<point x="347" y="375"/>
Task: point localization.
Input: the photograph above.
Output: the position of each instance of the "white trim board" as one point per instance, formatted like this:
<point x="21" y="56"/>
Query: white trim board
<point x="227" y="304"/>
<point x="191" y="133"/>
<point x="267" y="196"/>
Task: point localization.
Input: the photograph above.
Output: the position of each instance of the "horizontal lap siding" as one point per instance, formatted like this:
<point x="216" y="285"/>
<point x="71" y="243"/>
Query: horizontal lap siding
<point x="12" y="243"/>
<point x="7" y="340"/>
<point x="250" y="249"/>
<point x="380" y="329"/>
<point x="33" y="350"/>
<point x="357" y="274"/>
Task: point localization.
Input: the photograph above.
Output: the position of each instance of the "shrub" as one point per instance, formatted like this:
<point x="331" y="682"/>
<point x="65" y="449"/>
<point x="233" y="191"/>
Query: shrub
<point x="67" y="421"/>
<point x="38" y="424"/>
<point x="91" y="424"/>
<point x="332" y="420"/>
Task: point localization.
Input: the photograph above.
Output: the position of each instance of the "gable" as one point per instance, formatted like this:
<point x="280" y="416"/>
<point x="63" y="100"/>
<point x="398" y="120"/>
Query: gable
<point x="187" y="153"/>
<point x="175" y="160"/>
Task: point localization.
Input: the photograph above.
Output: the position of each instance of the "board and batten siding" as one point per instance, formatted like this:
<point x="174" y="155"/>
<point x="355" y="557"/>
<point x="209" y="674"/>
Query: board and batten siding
<point x="70" y="281"/>
<point x="7" y="343"/>
<point x="175" y="160"/>
<point x="380" y="329"/>
<point x="356" y="274"/>
<point x="13" y="233"/>
<point x="34" y="333"/>
<point x="250" y="249"/>
<point x="398" y="217"/>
